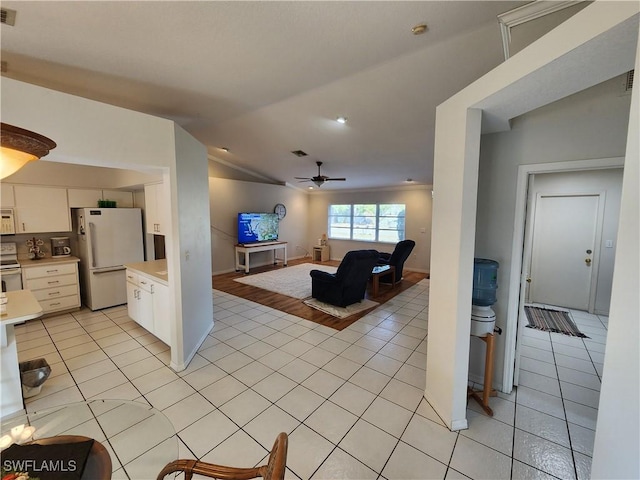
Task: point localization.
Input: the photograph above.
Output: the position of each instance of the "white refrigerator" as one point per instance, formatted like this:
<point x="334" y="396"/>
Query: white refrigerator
<point x="107" y="239"/>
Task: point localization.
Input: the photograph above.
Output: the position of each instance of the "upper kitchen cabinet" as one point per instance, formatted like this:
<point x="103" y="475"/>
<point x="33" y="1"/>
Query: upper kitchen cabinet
<point x="6" y="196"/>
<point x="41" y="209"/>
<point x="155" y="208"/>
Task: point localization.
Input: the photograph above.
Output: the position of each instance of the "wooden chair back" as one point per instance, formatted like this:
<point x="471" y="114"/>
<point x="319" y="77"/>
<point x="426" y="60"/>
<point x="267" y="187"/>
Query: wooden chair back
<point x="273" y="470"/>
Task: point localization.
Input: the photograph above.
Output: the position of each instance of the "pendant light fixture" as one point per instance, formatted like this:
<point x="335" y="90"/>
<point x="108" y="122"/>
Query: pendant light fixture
<point x="20" y="146"/>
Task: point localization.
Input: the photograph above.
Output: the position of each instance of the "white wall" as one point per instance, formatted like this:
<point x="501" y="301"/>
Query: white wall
<point x="229" y="197"/>
<point x="588" y="124"/>
<point x="189" y="246"/>
<point x="417" y="221"/>
<point x="617" y="441"/>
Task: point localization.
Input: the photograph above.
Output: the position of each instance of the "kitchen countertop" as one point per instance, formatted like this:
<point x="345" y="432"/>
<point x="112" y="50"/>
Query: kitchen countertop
<point x="152" y="268"/>
<point x="21" y="306"/>
<point x="28" y="262"/>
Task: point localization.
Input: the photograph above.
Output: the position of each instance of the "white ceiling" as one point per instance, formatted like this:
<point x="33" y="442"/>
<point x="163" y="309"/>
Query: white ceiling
<point x="266" y="78"/>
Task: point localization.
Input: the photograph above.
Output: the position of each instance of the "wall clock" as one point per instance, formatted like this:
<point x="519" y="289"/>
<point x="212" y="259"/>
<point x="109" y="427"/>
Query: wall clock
<point x="280" y="210"/>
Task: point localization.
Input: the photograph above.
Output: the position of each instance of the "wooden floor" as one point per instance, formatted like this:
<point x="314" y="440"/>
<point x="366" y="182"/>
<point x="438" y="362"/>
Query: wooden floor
<point x="294" y="306"/>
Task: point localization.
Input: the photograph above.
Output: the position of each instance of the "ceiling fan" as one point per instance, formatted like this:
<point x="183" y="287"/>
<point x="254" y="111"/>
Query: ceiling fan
<point x="320" y="179"/>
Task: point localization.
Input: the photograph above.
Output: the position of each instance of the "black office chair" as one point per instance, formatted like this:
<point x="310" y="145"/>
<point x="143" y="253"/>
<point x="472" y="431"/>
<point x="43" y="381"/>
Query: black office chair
<point x="349" y="284"/>
<point x="397" y="258"/>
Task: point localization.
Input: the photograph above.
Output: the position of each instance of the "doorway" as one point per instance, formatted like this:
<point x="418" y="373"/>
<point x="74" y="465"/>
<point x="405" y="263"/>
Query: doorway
<point x="575" y="178"/>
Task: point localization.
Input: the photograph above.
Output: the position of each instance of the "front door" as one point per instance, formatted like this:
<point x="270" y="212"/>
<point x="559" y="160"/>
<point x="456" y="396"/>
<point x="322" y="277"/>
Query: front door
<point x="563" y="250"/>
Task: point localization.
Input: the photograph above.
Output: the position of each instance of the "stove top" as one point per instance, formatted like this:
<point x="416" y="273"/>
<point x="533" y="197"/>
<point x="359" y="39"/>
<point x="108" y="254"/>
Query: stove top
<point x="8" y="256"/>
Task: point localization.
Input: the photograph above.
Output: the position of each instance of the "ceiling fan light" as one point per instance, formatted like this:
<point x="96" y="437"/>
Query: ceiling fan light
<point x="20" y="146"/>
<point x="318" y="182"/>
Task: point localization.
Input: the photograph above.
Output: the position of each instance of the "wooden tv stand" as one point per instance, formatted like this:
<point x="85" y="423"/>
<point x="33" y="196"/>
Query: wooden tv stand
<point x="248" y="249"/>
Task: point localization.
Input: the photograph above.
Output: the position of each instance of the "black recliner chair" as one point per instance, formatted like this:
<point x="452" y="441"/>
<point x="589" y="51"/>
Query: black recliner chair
<point x="396" y="259"/>
<point x="349" y="284"/>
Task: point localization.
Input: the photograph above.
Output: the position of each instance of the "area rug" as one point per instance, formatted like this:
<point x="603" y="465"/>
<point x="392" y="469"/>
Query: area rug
<point x="549" y="320"/>
<point x="341" y="312"/>
<point x="292" y="281"/>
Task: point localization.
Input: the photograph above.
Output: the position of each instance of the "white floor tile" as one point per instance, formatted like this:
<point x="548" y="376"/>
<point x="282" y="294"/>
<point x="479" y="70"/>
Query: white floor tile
<point x="341" y="465"/>
<point x="300" y="402"/>
<point x="245" y="407"/>
<point x="431" y="438"/>
<point x="582" y="439"/>
<point x="544" y="455"/>
<point x="266" y="426"/>
<point x="479" y="461"/>
<point x="331" y="421"/>
<point x="490" y="432"/>
<point x="388" y="416"/>
<point x="274" y="386"/>
<point x="208" y="432"/>
<point x="238" y="450"/>
<point x="186" y="412"/>
<point x="546" y="426"/>
<point x="369" y="444"/>
<point x="410" y="463"/>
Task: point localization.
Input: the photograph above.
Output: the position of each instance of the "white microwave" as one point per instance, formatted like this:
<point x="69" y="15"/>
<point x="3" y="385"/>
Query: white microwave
<point x="8" y="225"/>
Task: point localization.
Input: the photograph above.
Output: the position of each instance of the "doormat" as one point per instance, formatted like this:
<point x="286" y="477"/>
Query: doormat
<point x="549" y="320"/>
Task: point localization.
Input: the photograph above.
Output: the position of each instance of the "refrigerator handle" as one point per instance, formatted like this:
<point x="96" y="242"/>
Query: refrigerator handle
<point x="92" y="241"/>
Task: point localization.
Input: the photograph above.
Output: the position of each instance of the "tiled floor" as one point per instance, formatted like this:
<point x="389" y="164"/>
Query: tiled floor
<point x="351" y="401"/>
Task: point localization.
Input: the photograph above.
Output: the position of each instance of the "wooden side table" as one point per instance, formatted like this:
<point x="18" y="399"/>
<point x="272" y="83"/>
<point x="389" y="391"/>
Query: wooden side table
<point x="321" y="253"/>
<point x="482" y="396"/>
<point x="380" y="271"/>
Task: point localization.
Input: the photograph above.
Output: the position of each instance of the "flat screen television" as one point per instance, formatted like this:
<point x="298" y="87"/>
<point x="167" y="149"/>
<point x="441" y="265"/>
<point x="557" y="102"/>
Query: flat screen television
<point x="257" y="227"/>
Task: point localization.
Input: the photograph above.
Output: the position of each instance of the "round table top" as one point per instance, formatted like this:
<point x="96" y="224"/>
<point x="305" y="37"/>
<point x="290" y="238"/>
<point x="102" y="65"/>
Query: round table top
<point x="140" y="439"/>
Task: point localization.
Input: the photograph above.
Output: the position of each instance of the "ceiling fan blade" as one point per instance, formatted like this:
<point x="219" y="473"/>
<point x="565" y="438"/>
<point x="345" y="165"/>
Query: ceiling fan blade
<point x="302" y="178"/>
<point x="336" y="179"/>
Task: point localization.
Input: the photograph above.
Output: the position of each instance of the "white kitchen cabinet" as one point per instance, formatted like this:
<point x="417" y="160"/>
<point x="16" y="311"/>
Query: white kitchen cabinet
<point x="41" y="209"/>
<point x="84" y="197"/>
<point x="54" y="284"/>
<point x="123" y="199"/>
<point x="155" y="209"/>
<point x="6" y="196"/>
<point x="148" y="304"/>
<point x="161" y="317"/>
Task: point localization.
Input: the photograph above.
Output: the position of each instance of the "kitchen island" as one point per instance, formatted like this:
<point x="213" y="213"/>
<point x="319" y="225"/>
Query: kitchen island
<point x="21" y="305"/>
<point x="148" y="300"/>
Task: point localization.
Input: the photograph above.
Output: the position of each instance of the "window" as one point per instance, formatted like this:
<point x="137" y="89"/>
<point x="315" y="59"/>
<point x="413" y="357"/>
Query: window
<point x="367" y="222"/>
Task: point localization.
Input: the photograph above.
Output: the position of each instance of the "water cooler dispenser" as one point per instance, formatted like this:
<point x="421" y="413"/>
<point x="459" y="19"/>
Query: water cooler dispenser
<point x="483" y="321"/>
<point x="485" y="284"/>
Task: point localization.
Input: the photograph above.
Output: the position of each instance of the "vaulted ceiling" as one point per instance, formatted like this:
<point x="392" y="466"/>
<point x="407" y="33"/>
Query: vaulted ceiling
<point x="265" y="78"/>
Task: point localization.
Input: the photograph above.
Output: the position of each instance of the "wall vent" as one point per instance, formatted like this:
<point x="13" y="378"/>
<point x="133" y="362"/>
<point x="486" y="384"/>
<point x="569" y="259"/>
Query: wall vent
<point x="628" y="84"/>
<point x="7" y="16"/>
<point x="299" y="153"/>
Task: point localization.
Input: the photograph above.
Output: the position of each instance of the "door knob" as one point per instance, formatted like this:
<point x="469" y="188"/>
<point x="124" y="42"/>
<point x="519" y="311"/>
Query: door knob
<point x="528" y="279"/>
<point x="587" y="261"/>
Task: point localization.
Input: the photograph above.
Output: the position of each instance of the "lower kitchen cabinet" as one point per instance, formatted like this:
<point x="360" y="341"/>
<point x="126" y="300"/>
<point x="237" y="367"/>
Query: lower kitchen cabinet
<point x="54" y="283"/>
<point x="148" y="304"/>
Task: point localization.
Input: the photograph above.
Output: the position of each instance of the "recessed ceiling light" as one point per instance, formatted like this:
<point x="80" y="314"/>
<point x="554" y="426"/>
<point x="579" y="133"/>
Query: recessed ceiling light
<point x="342" y="120"/>
<point x="419" y="29"/>
<point x="310" y="188"/>
<point x="224" y="149"/>
<point x="409" y="180"/>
